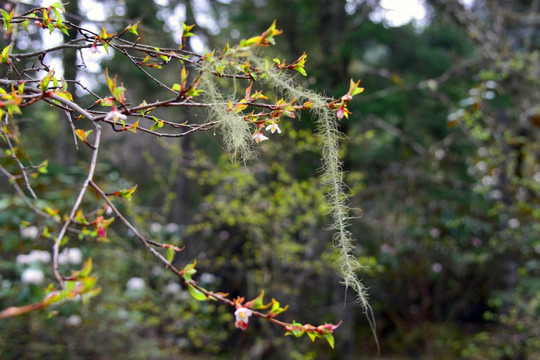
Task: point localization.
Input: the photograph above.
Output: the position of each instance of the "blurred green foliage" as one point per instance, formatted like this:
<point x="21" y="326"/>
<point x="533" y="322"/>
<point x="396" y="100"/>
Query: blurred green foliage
<point x="447" y="178"/>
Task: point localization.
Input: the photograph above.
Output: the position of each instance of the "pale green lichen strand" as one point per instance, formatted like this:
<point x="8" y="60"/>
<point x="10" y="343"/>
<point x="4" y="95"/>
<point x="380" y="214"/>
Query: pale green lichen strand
<point x="235" y="130"/>
<point x="327" y="127"/>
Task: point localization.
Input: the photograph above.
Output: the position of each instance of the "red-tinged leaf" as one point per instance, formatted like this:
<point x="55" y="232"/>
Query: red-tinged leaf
<point x="257" y="303"/>
<point x="248" y="92"/>
<point x="64" y="94"/>
<point x="276" y="308"/>
<point x="132" y="28"/>
<point x="183" y="75"/>
<point x="81" y="134"/>
<point x="127" y="193"/>
<point x="189" y="270"/>
<point x="131" y="128"/>
<point x="86" y="269"/>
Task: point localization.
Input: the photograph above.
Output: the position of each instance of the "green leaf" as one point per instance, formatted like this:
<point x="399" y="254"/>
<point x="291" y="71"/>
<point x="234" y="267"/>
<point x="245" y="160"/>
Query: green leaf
<point x="301" y="70"/>
<point x="197" y="294"/>
<point x="5" y="54"/>
<point x="170" y="254"/>
<point x="42" y="168"/>
<point x="189" y="271"/>
<point x="330" y="338"/>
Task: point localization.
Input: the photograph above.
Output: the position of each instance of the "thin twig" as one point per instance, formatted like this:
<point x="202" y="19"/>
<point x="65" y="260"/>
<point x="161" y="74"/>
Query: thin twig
<point x="89" y="177"/>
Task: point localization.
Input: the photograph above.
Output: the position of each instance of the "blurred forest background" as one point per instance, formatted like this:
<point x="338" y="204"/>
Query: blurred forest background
<point x="442" y="156"/>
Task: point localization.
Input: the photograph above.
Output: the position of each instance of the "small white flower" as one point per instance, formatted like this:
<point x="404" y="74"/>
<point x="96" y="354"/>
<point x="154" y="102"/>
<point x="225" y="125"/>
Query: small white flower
<point x="32" y="276"/>
<point x="41" y="256"/>
<point x="242" y="315"/>
<point x="273" y="128"/>
<point x="156" y="227"/>
<point x="29" y="232"/>
<point x="258" y="137"/>
<point x="135" y="283"/>
<point x="172" y="228"/>
<point x="172" y="288"/>
<point x="23" y="259"/>
<point x="94" y="49"/>
<point x="513" y="223"/>
<point x="208" y="278"/>
<point x="114" y="115"/>
<point x="74" y="320"/>
<point x="70" y="256"/>
<point x="436" y="268"/>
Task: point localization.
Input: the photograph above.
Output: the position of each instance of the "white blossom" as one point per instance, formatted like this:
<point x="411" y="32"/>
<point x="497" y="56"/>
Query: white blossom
<point x="242" y="315"/>
<point x="32" y="276"/>
<point x="156" y="227"/>
<point x="74" y="320"/>
<point x="23" y="259"/>
<point x="70" y="256"/>
<point x="273" y="128"/>
<point x="29" y="232"/>
<point x="35" y="256"/>
<point x="172" y="288"/>
<point x="41" y="256"/>
<point x="436" y="268"/>
<point x="114" y="115"/>
<point x="135" y="283"/>
<point x="172" y="228"/>
<point x="208" y="278"/>
<point x="258" y="137"/>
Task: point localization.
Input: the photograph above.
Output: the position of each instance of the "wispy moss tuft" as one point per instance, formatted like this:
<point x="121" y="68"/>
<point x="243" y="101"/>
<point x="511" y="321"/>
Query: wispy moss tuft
<point x="235" y="130"/>
<point x="332" y="176"/>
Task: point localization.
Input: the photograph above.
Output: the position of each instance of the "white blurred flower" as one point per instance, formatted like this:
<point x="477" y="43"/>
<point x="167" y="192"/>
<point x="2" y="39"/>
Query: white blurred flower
<point x="440" y="154"/>
<point x="35" y="256"/>
<point x="114" y="115"/>
<point x="490" y="84"/>
<point x="434" y="232"/>
<point x="172" y="288"/>
<point x="490" y="95"/>
<point x="513" y="223"/>
<point x="74" y="320"/>
<point x="155" y="227"/>
<point x="41" y="256"/>
<point x="70" y="256"/>
<point x="23" y="259"/>
<point x="208" y="278"/>
<point x="135" y="283"/>
<point x="32" y="276"/>
<point x="436" y="268"/>
<point x="29" y="232"/>
<point x="496" y="194"/>
<point x="172" y="228"/>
